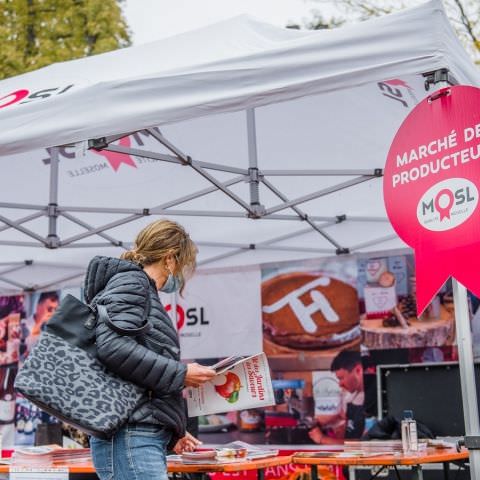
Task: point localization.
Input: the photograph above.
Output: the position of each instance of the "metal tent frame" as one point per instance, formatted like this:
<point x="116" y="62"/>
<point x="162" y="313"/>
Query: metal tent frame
<point x="251" y="208"/>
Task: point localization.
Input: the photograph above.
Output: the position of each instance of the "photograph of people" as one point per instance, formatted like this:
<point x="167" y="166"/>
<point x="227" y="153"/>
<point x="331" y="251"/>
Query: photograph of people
<point x="32" y="326"/>
<point x="349" y="422"/>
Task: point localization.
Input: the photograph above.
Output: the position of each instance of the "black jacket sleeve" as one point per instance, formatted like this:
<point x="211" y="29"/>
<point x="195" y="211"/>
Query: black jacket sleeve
<point x="125" y="299"/>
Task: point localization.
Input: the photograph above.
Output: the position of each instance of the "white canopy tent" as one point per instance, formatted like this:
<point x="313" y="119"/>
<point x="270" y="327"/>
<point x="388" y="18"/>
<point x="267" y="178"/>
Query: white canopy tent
<point x="268" y="144"/>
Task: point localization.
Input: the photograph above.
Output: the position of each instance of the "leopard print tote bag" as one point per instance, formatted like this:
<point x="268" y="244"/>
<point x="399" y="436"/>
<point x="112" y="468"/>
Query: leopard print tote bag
<point x="63" y="376"/>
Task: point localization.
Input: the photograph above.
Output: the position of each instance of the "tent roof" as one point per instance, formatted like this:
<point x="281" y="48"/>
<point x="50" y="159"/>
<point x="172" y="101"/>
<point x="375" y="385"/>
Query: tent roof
<point x="232" y="65"/>
<point x="229" y="122"/>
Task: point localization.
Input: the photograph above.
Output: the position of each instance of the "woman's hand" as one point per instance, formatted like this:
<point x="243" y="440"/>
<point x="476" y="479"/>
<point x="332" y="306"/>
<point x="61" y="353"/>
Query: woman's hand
<point x="198" y="374"/>
<point x="316" y="434"/>
<point x="186" y="444"/>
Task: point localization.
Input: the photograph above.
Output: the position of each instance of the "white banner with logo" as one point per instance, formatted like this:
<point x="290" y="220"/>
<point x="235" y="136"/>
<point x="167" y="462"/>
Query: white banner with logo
<point x="219" y="314"/>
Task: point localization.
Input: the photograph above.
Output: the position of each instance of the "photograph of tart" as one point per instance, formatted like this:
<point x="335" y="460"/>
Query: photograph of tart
<point x="307" y="311"/>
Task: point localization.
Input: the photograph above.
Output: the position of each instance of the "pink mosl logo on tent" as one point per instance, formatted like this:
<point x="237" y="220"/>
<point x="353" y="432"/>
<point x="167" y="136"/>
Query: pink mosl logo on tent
<point x="395" y="89"/>
<point x="116" y="159"/>
<point x="397" y="82"/>
<point x="24" y="95"/>
<point x="431" y="188"/>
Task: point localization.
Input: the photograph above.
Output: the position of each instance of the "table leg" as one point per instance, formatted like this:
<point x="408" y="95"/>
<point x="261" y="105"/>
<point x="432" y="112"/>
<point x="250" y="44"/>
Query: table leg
<point x="446" y="470"/>
<point x="417" y="472"/>
<point x="261" y="474"/>
<point x="351" y="473"/>
<point x="377" y="473"/>
<point x="397" y="473"/>
<point x="314" y="472"/>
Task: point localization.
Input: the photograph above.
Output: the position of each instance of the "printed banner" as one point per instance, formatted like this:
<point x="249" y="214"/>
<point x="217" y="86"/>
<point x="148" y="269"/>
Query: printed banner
<point x="311" y="319"/>
<point x="219" y="316"/>
<point x="39" y="308"/>
<point x="310" y="312"/>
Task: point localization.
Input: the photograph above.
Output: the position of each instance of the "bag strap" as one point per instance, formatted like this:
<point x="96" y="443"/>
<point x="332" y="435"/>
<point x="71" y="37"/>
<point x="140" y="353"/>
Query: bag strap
<point x="102" y="314"/>
<point x="129" y="332"/>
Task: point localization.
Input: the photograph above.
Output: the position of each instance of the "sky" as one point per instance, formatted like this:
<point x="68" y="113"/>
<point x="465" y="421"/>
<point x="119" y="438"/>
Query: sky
<point x="151" y="20"/>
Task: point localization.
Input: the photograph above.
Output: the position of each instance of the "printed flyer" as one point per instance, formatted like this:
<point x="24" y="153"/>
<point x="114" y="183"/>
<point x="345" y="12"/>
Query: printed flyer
<point x="246" y="385"/>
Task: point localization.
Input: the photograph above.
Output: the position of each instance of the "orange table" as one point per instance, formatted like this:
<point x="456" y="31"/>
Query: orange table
<point x="431" y="455"/>
<point x="86" y="470"/>
<point x="77" y="471"/>
<point x="258" y="465"/>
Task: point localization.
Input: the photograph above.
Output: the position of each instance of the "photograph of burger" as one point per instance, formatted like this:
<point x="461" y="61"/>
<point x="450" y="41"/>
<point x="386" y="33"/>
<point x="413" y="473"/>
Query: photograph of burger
<point x="387" y="293"/>
<point x="309" y="313"/>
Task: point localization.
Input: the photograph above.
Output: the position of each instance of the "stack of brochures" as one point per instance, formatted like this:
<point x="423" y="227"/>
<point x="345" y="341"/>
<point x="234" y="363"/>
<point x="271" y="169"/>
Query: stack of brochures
<point x="381" y="447"/>
<point x="49" y="455"/>
<point x="71" y="455"/>
<point x="33" y="456"/>
<point x="228" y="453"/>
<point x="253" y="452"/>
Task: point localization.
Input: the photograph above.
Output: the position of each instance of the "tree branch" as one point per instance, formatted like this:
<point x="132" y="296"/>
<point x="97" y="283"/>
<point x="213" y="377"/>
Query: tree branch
<point x="467" y="24"/>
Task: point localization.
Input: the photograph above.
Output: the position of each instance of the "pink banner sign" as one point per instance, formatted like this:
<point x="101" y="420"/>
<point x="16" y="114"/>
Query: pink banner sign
<point x="431" y="188"/>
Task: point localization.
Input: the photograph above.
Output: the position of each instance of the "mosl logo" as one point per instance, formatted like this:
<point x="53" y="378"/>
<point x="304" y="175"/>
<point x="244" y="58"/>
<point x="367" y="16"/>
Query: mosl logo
<point x="24" y="95"/>
<point x="447" y="204"/>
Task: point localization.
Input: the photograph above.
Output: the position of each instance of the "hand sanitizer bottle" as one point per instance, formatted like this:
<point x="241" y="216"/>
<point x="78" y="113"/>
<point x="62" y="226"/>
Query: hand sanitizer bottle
<point x="409" y="433"/>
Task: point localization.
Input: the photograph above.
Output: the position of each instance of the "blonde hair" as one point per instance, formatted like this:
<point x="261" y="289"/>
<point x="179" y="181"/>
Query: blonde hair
<point x="160" y="239"/>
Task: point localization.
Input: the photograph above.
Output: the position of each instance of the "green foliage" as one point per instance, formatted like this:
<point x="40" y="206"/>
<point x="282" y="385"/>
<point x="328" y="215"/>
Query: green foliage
<point x="318" y="22"/>
<point x="36" y="33"/>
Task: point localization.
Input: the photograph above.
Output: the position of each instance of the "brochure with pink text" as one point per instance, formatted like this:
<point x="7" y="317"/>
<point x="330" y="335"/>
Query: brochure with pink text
<point x="241" y="384"/>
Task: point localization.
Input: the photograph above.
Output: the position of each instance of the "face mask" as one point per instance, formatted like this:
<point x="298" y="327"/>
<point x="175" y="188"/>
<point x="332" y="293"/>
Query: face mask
<point x="173" y="284"/>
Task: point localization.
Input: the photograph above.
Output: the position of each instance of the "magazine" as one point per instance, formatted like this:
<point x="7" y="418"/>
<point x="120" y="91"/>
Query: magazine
<point x="240" y="383"/>
<point x="227" y="363"/>
<point x="200" y="461"/>
<point x="237" y="451"/>
<point x="252" y="451"/>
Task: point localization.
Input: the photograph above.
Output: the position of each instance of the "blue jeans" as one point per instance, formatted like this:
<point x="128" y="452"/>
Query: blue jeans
<point x="135" y="452"/>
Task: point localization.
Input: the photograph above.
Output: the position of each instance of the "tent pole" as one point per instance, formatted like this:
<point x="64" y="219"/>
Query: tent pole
<point x="22" y="206"/>
<point x="23" y="220"/>
<point x="254" y="181"/>
<point x="441" y="78"/>
<point x="320" y="193"/>
<point x="52" y="238"/>
<point x="137" y="152"/>
<point x="320" y="173"/>
<point x="21" y="286"/>
<point x="373" y="242"/>
<point x="305" y="217"/>
<point x="221" y="256"/>
<point x="61" y="280"/>
<point x="77" y="221"/>
<point x="28" y="295"/>
<point x="467" y="373"/>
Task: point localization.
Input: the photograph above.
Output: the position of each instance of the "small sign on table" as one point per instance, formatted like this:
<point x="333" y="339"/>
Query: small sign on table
<point x="38" y="473"/>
